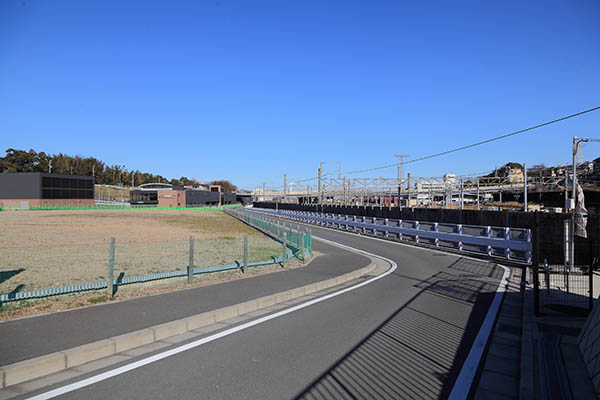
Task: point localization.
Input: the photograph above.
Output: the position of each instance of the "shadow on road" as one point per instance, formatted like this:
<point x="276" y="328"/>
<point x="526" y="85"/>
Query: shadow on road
<point x="419" y="350"/>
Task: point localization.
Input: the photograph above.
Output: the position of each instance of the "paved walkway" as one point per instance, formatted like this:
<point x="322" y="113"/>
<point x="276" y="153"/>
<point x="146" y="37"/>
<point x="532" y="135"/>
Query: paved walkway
<point x="533" y="357"/>
<point x="35" y="336"/>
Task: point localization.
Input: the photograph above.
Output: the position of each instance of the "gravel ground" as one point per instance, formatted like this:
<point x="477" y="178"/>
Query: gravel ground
<point x="40" y="249"/>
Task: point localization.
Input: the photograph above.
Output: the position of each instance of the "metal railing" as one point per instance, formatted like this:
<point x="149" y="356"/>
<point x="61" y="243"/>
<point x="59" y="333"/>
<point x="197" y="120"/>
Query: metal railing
<point x="508" y="243"/>
<point x="295" y="240"/>
<point x="297" y="243"/>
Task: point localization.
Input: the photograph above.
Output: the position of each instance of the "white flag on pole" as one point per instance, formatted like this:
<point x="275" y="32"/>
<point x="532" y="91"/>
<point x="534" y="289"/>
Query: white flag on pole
<point x="580" y="214"/>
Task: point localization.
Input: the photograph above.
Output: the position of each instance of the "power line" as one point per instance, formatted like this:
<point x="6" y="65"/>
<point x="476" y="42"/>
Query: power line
<point x="467" y="146"/>
<point x="477" y="143"/>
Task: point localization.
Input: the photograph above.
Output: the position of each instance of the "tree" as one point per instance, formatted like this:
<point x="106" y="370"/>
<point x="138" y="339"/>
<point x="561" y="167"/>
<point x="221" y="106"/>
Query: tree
<point x="226" y="186"/>
<point x="30" y="161"/>
<point x="503" y="171"/>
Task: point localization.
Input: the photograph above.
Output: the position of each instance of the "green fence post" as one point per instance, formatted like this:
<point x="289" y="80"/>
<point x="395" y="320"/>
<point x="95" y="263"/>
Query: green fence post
<point x="302" y="246"/>
<point x="310" y="251"/>
<point x="191" y="263"/>
<point x="111" y="267"/>
<point x="283" y="242"/>
<point x="245" y="253"/>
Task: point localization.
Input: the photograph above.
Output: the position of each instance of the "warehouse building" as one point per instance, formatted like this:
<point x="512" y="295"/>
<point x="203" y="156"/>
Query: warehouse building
<point x="37" y="189"/>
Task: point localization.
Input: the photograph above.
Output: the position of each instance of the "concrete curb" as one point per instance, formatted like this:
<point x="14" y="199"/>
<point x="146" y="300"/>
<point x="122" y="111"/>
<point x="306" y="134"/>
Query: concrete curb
<point x="37" y="367"/>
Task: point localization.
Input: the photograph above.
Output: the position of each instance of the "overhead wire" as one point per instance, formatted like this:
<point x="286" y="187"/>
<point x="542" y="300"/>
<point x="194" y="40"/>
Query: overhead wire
<point x="475" y="144"/>
<point x="469" y="146"/>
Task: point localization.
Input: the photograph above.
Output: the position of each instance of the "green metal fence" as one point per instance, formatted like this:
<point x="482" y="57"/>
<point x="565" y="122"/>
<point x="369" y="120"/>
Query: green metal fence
<point x="295" y="242"/>
<point x="295" y="237"/>
<point x="126" y="207"/>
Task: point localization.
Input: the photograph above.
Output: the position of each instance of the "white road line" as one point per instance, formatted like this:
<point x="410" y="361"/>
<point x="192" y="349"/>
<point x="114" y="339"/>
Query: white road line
<point x="466" y="376"/>
<point x="464" y="381"/>
<point x="157" y="357"/>
<point x="461" y="387"/>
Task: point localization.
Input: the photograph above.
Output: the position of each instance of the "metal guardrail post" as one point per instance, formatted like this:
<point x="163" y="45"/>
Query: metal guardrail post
<point x="111" y="267"/>
<point x="245" y="253"/>
<point x="493" y="241"/>
<point x="190" y="268"/>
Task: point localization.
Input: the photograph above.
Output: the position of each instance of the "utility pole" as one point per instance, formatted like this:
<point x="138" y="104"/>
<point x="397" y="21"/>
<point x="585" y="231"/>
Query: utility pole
<point x="284" y="187"/>
<point x="401" y="157"/>
<point x="264" y="196"/>
<point x="574" y="197"/>
<point x="50" y="166"/>
<point x="408" y="190"/>
<point x="462" y="194"/>
<point x="525" y="186"/>
<point x="319" y="188"/>
<point x="478" y="193"/>
<point x="133" y="179"/>
<point x="576" y="142"/>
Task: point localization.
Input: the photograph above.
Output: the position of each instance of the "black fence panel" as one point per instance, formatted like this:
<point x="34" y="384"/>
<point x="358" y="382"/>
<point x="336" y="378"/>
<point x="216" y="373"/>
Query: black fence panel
<point x="551" y="224"/>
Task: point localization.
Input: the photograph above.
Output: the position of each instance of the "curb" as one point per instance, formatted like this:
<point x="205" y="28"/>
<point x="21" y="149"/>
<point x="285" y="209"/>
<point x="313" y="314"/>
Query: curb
<point x="527" y="370"/>
<point x="37" y="367"/>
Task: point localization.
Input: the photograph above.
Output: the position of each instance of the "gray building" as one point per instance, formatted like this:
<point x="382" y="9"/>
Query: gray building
<point x="41" y="187"/>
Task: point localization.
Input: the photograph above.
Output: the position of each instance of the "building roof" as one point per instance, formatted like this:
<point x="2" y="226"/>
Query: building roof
<point x="155" y="186"/>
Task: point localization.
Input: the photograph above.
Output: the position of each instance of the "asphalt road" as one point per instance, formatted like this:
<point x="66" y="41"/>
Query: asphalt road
<point x="31" y="337"/>
<point x="403" y="336"/>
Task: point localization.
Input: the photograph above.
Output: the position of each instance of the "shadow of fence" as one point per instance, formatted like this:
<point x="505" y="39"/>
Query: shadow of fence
<point x="6" y="275"/>
<point x="418" y="351"/>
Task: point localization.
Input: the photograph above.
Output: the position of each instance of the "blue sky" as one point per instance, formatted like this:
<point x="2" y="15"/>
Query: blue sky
<point x="248" y="90"/>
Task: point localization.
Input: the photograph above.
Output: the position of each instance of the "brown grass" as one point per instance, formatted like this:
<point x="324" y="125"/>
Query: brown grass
<point x="65" y="302"/>
<point x="40" y="249"/>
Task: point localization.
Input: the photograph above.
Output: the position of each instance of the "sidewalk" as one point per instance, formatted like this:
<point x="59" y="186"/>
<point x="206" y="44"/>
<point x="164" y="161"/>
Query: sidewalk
<point x="31" y="337"/>
<point x="551" y="364"/>
<point x="533" y="357"/>
<point x="499" y="378"/>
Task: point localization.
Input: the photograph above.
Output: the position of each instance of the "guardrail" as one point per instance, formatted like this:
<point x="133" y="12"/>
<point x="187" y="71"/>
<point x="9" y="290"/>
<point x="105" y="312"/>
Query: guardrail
<point x="509" y="243"/>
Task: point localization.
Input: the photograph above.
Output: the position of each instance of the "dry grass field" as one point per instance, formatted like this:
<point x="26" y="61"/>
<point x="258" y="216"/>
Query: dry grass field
<point x="41" y="249"/>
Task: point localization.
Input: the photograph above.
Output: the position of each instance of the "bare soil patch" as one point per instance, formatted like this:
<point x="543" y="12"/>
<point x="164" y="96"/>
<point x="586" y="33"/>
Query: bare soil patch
<point x="42" y="249"/>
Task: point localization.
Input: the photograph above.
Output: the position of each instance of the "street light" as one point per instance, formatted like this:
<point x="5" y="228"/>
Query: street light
<point x="576" y="142"/>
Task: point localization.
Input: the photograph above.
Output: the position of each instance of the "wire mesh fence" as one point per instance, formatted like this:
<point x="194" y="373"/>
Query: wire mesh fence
<point x="567" y="287"/>
<point x="564" y="290"/>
